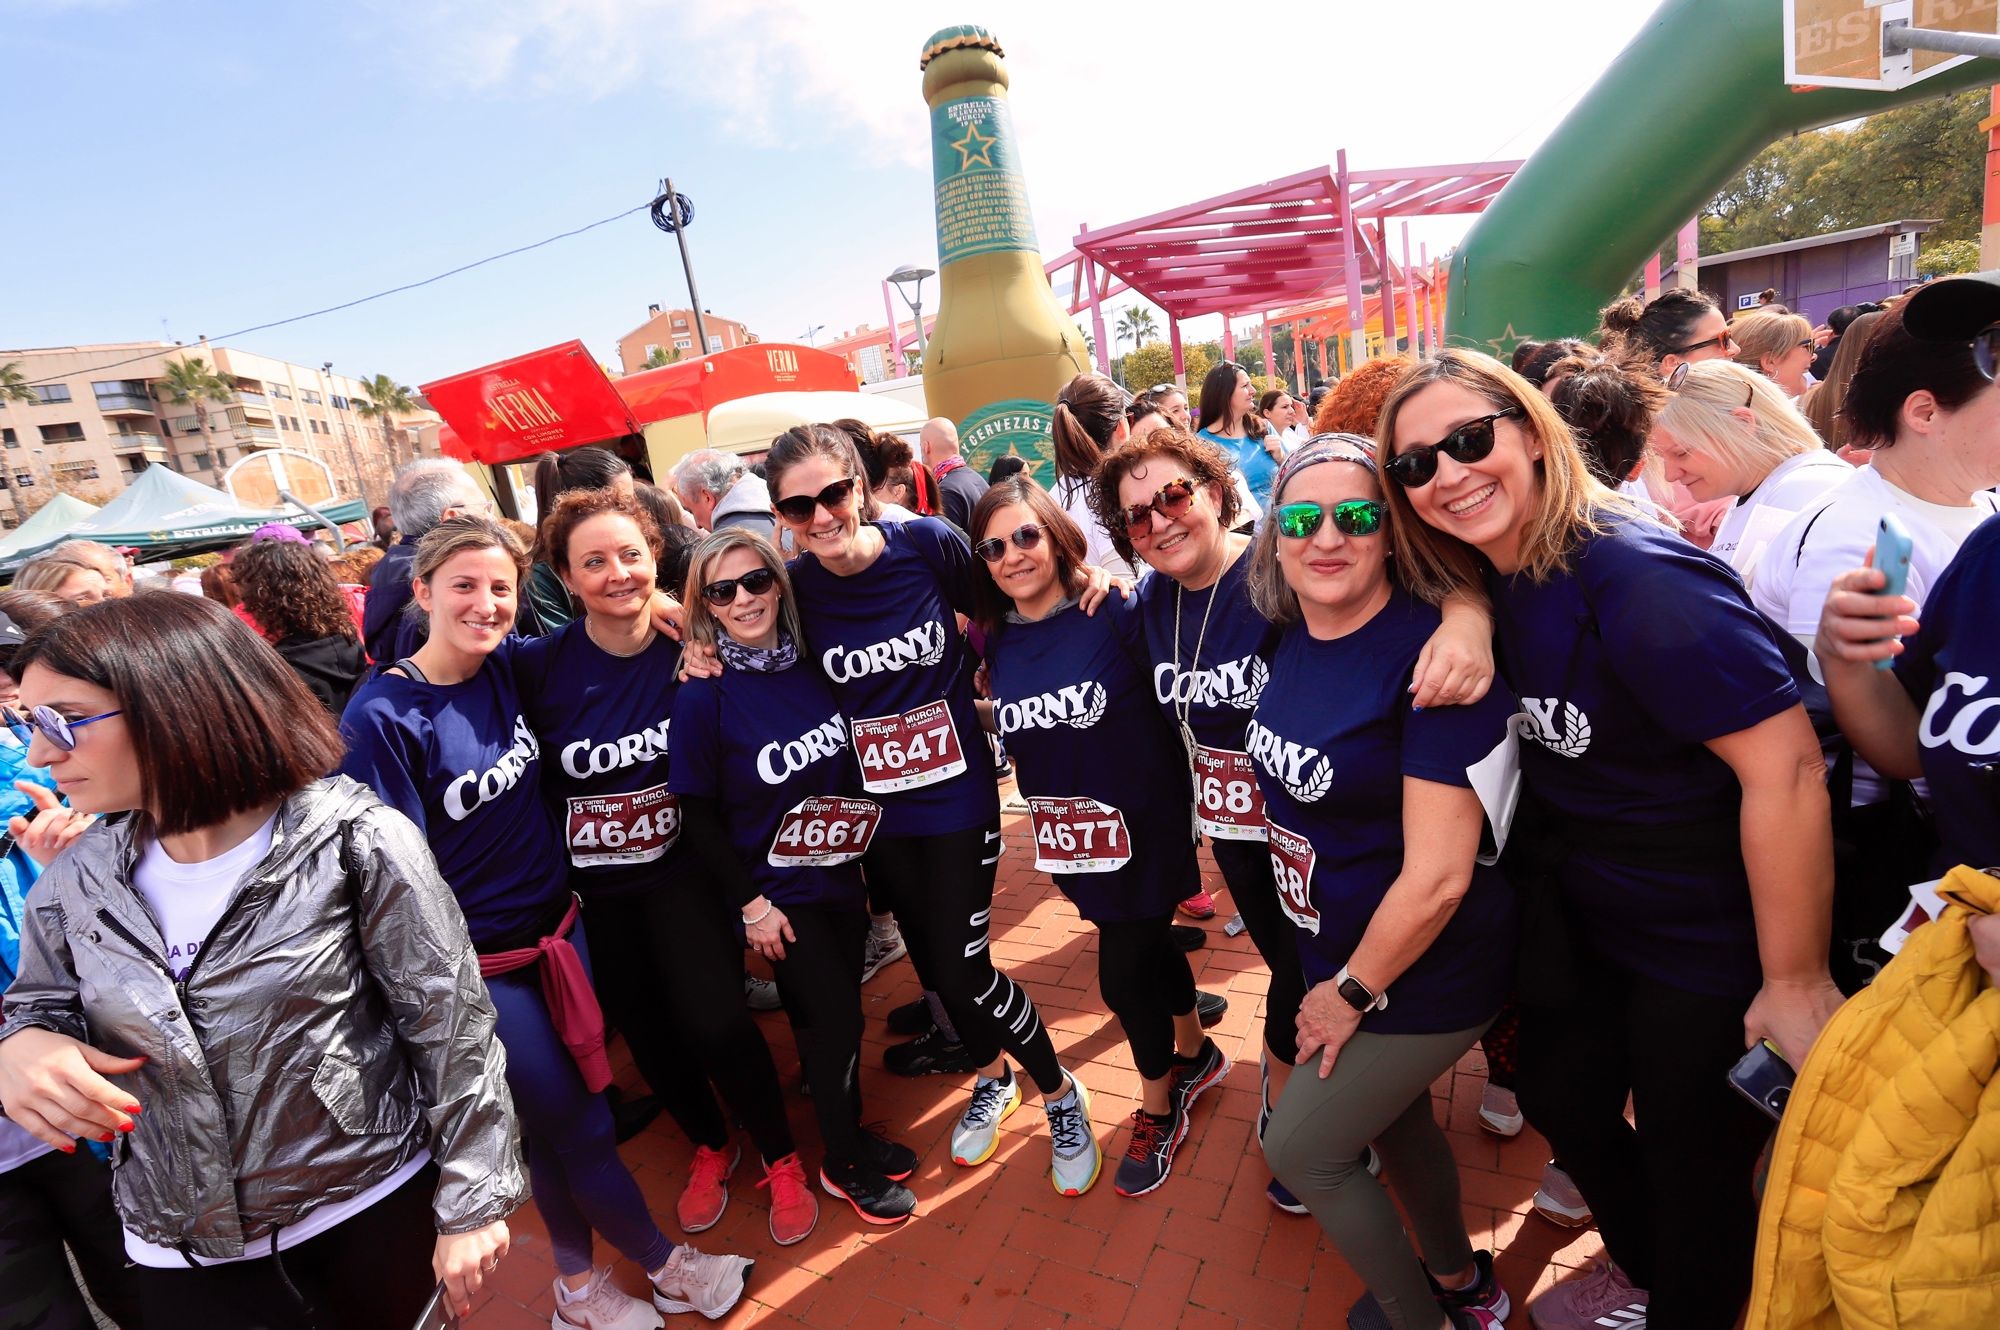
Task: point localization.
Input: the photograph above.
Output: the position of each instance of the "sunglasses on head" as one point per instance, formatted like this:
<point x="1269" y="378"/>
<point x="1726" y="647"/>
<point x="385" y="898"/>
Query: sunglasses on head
<point x="1414" y="468"/>
<point x="1986" y="351"/>
<point x="757" y="581"/>
<point x="1679" y="377"/>
<point x="1352" y="517"/>
<point x="55" y="727"/>
<point x="994" y="549"/>
<point x="799" y="508"/>
<point x="1169" y="501"/>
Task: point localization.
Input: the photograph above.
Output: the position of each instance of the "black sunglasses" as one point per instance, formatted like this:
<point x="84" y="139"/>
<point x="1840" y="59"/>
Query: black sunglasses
<point x="1986" y="351"/>
<point x="55" y="727"/>
<point x="1722" y="341"/>
<point x="1170" y="501"/>
<point x="757" y="581"/>
<point x="800" y="507"/>
<point x="1025" y="537"/>
<point x="1414" y="468"/>
<point x="1352" y="517"/>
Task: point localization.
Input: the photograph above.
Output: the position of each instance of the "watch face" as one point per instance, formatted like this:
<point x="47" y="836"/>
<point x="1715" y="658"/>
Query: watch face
<point x="1357" y="997"/>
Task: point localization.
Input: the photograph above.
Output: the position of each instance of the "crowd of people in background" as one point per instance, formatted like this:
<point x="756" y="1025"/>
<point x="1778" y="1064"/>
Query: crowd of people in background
<point x="1619" y="709"/>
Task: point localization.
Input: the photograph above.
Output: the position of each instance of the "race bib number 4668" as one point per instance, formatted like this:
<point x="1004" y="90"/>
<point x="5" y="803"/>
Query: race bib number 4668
<point x="1228" y="803"/>
<point x="919" y="747"/>
<point x="1078" y="836"/>
<point x="825" y="830"/>
<point x="634" y="828"/>
<point x="1292" y="859"/>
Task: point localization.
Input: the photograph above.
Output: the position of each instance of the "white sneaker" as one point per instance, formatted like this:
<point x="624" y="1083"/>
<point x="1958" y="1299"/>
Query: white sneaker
<point x="602" y="1306"/>
<point x="978" y="1131"/>
<point x="1558" y="1200"/>
<point x="1499" y="1112"/>
<point x="760" y="994"/>
<point x="881" y="951"/>
<point x="693" y="1281"/>
<point x="1075" y="1157"/>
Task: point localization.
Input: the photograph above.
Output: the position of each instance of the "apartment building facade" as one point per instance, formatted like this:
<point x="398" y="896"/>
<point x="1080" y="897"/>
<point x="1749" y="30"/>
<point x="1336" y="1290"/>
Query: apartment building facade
<point x="674" y="330"/>
<point x="102" y="415"/>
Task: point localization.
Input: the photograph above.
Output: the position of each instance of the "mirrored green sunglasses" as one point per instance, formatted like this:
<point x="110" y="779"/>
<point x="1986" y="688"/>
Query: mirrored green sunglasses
<point x="1355" y="517"/>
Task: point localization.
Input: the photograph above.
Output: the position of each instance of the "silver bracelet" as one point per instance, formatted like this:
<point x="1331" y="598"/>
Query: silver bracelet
<point x="752" y="923"/>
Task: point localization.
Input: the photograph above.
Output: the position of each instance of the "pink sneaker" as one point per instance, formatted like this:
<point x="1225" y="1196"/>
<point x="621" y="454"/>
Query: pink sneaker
<point x="1602" y="1300"/>
<point x="794" y="1209"/>
<point x="706" y="1195"/>
<point x="1201" y="905"/>
<point x="1558" y="1201"/>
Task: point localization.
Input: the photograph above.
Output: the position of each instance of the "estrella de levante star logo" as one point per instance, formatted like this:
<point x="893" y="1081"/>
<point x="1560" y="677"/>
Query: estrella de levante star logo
<point x="975" y="147"/>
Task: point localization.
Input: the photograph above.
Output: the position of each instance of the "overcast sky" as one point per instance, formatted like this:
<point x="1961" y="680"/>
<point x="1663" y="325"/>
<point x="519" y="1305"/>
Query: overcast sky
<point x="192" y="168"/>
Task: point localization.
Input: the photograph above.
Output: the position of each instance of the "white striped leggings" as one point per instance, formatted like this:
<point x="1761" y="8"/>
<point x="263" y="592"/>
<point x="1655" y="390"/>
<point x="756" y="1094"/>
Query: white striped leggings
<point x="941" y="888"/>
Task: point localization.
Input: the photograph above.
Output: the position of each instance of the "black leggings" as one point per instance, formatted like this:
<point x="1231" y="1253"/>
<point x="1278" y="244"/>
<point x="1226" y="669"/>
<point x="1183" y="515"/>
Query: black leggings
<point x="941" y="888"/>
<point x="1246" y="867"/>
<point x="53" y="1199"/>
<point x="1146" y="981"/>
<point x="820" y="982"/>
<point x="1671" y="1194"/>
<point x="669" y="971"/>
<point x="370" y="1271"/>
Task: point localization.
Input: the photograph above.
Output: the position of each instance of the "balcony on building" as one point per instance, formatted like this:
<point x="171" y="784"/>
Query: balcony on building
<point x="124" y="397"/>
<point x="256" y="436"/>
<point x="254" y="405"/>
<point x="139" y="441"/>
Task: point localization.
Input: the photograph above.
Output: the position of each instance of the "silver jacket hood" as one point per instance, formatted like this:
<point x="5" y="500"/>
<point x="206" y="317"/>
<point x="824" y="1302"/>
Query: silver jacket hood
<point x="333" y="1025"/>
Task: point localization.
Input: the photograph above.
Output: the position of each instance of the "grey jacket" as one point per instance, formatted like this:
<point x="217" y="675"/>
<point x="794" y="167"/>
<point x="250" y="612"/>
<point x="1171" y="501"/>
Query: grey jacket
<point x="333" y="1025"/>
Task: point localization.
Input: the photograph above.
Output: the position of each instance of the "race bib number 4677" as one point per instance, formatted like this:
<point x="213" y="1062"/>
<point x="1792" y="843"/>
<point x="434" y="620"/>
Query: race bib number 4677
<point x="919" y="747"/>
<point x="1078" y="836"/>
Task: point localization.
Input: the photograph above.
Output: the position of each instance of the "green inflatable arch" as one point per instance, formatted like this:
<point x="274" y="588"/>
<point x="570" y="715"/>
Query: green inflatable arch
<point x="1698" y="93"/>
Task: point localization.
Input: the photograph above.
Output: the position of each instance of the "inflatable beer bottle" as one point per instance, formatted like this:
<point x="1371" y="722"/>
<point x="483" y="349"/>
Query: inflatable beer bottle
<point x="1002" y="347"/>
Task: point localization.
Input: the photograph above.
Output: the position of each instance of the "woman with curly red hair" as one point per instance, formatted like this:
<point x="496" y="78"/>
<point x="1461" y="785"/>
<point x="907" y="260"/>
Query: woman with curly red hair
<point x="290" y="592"/>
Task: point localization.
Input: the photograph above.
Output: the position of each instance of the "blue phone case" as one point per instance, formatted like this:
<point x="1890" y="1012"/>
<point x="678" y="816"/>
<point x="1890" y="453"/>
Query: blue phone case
<point x="1892" y="556"/>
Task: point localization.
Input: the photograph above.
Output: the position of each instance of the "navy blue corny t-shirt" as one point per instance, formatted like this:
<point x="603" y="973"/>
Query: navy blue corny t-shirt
<point x="461" y="761"/>
<point x="888" y="641"/>
<point x="1951" y="670"/>
<point x="1072" y="698"/>
<point x="603" y="724"/>
<point x="1625" y="666"/>
<point x="771" y="750"/>
<point x="1333" y="738"/>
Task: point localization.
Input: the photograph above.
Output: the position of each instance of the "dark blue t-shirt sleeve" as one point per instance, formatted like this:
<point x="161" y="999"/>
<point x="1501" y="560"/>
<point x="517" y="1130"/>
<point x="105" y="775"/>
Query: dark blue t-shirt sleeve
<point x="378" y="743"/>
<point x="696" y="769"/>
<point x="949" y="555"/>
<point x="1440" y="743"/>
<point x="1967" y="581"/>
<point x="1681" y="635"/>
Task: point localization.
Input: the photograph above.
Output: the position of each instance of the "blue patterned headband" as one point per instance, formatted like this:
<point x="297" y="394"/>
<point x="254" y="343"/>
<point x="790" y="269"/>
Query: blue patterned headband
<point x="1326" y="448"/>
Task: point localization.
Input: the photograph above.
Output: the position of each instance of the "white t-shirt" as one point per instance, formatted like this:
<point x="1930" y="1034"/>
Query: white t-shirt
<point x="186" y="901"/>
<point x="17" y="1147"/>
<point x="1074" y="496"/>
<point x="1796" y="484"/>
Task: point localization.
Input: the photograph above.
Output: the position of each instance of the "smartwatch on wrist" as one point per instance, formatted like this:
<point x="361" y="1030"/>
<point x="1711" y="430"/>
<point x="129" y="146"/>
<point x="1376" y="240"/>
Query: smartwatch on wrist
<point x="1357" y="995"/>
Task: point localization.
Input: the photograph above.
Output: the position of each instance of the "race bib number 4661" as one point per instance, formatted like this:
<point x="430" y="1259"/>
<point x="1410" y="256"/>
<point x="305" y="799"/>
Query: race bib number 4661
<point x="1228" y="804"/>
<point x="1078" y="836"/>
<point x="634" y="828"/>
<point x="825" y="830"/>
<point x="919" y="747"/>
<point x="1292" y="857"/>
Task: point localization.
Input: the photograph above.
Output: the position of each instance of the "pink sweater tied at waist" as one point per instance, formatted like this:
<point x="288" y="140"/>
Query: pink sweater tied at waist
<point x="573" y="1008"/>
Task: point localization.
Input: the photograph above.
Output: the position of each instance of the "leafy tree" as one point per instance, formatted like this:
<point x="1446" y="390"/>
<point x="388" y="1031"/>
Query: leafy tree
<point x="1150" y="364"/>
<point x="190" y="381"/>
<point x="14" y="384"/>
<point x="1250" y="355"/>
<point x="1948" y="258"/>
<point x="663" y="355"/>
<point x="385" y="399"/>
<point x="1925" y="160"/>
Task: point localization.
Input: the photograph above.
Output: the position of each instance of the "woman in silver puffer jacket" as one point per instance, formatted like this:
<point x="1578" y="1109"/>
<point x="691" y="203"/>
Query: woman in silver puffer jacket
<point x="254" y="984"/>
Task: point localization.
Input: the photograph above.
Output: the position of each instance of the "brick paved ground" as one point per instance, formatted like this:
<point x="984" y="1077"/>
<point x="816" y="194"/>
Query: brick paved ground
<point x="997" y="1247"/>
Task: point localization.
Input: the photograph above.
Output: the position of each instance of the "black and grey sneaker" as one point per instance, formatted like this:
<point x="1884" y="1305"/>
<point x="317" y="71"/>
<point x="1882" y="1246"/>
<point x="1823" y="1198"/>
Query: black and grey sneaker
<point x="878" y="1200"/>
<point x="1187" y="937"/>
<point x="911" y="1018"/>
<point x="928" y="1054"/>
<point x="894" y="1162"/>
<point x="1193" y="1075"/>
<point x="1210" y="1008"/>
<point x="1149" y="1155"/>
<point x="1483" y="1294"/>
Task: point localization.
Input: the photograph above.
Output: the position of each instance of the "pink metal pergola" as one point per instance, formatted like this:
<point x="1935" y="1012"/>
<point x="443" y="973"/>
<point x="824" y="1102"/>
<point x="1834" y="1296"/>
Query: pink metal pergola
<point x="1280" y="249"/>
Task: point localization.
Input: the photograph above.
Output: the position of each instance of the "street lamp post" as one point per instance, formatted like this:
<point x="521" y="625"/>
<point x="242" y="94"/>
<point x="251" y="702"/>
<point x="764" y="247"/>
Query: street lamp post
<point x="811" y="330"/>
<point x="914" y="275"/>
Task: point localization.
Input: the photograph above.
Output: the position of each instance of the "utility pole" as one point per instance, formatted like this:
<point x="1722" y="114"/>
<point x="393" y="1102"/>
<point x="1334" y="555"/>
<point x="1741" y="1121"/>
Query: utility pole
<point x="673" y="212"/>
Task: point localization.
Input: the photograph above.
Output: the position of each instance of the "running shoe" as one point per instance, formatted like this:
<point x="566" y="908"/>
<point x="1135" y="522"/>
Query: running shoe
<point x="693" y="1281"/>
<point x="602" y="1305"/>
<point x="881" y="951"/>
<point x="1075" y="1159"/>
<point x="977" y="1134"/>
<point x="911" y="1018"/>
<point x="1280" y="1195"/>
<point x="1499" y="1112"/>
<point x="894" y="1162"/>
<point x="706" y="1195"/>
<point x="1558" y="1200"/>
<point x="878" y="1200"/>
<point x="1187" y="937"/>
<point x="794" y="1209"/>
<point x="1210" y="1008"/>
<point x="1149" y="1155"/>
<point x="928" y="1054"/>
<point x="1193" y="1075"/>
<point x="1602" y="1300"/>
<point x="1201" y="905"/>
<point x="760" y="994"/>
<point x="1483" y="1294"/>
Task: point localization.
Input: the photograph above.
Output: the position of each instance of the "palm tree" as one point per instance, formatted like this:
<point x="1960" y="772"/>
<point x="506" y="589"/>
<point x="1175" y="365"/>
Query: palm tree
<point x="14" y="384"/>
<point x="190" y="382"/>
<point x="1136" y="325"/>
<point x="385" y="398"/>
<point x="663" y="355"/>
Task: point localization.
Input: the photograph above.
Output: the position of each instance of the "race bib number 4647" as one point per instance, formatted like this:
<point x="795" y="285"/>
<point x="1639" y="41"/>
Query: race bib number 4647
<point x="1292" y="859"/>
<point x="919" y="747"/>
<point x="825" y="830"/>
<point x="1228" y="804"/>
<point x="1078" y="836"/>
<point x="634" y="828"/>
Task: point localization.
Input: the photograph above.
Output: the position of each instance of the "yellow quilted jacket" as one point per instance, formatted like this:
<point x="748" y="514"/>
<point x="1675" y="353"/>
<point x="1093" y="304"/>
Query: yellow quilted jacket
<point x="1882" y="1209"/>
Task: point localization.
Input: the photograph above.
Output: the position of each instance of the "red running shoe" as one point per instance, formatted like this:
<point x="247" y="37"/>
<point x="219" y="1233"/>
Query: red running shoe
<point x="706" y="1195"/>
<point x="1201" y="905"/>
<point x="794" y="1209"/>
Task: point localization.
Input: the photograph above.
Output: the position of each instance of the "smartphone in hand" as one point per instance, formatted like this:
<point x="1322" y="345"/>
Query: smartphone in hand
<point x="1892" y="556"/>
<point x="1764" y="1078"/>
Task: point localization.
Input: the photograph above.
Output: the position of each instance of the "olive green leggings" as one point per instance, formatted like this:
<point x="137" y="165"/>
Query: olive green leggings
<point x="1379" y="1093"/>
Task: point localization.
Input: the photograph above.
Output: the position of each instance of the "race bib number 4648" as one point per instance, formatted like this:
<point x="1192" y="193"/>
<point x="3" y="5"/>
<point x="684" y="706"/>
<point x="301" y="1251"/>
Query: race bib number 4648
<point x="919" y="747"/>
<point x="1292" y="859"/>
<point x="634" y="828"/>
<point x="1228" y="803"/>
<point x="1078" y="836"/>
